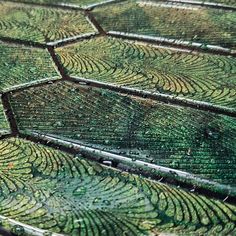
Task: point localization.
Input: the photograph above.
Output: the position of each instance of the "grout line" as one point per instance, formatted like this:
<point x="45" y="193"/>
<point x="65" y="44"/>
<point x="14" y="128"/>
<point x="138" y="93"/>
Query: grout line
<point x="65" y="6"/>
<point x="159" y="97"/>
<point x="10" y="114"/>
<point x="44" y="5"/>
<point x="99" y="4"/>
<point x="203" y="4"/>
<point x="168" y="5"/>
<point x="94" y="22"/>
<point x="175" y="43"/>
<point x="65" y="43"/>
<point x="160" y="41"/>
<point x="31" y="84"/>
<point x="26" y="43"/>
<point x="58" y="43"/>
<point x="57" y="63"/>
<point x="28" y="229"/>
<point x="171" y="176"/>
<point x="69" y="40"/>
<point x="165" y="98"/>
<point x="6" y="136"/>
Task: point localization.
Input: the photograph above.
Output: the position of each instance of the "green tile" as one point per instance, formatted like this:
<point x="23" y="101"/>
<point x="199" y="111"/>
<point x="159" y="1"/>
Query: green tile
<point x="176" y="137"/>
<point x="198" y="76"/>
<point x="41" y="25"/>
<point x="4" y="125"/>
<point x="56" y="191"/>
<point x="20" y="65"/>
<point x="173" y="21"/>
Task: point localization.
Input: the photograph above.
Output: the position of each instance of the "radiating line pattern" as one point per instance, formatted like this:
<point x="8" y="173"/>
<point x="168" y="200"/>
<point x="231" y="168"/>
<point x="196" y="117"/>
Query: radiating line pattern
<point x="172" y="21"/>
<point x="4" y="126"/>
<point x="35" y="23"/>
<point x="52" y="190"/>
<point x="21" y="65"/>
<point x="198" y="76"/>
<point x="180" y="138"/>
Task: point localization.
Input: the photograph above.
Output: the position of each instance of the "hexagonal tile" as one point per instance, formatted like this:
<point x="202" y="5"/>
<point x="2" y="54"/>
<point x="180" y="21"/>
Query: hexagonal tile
<point x="182" y="138"/>
<point x="21" y="66"/>
<point x="182" y="23"/>
<point x="41" y="25"/>
<point x="197" y="76"/>
<point x="56" y="191"/>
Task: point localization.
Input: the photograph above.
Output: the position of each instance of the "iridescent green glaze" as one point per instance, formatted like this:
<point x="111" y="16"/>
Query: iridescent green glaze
<point x="50" y="184"/>
<point x="203" y="77"/>
<point x="35" y="23"/>
<point x="181" y="22"/>
<point x="21" y="65"/>
<point x="56" y="191"/>
<point x="181" y="138"/>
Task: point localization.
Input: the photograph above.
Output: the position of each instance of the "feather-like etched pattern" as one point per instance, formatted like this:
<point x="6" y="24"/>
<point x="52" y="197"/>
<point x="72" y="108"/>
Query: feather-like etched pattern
<point x="35" y="23"/>
<point x="181" y="138"/>
<point x="198" y="76"/>
<point x="66" y="194"/>
<point x="173" y="21"/>
<point x="24" y="65"/>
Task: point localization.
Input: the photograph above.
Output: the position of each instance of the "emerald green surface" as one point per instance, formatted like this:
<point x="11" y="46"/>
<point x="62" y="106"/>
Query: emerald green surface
<point x="180" y="22"/>
<point x="203" y="77"/>
<point x="50" y="184"/>
<point x="53" y="190"/>
<point x="40" y="24"/>
<point x="21" y="65"/>
<point x="186" y="139"/>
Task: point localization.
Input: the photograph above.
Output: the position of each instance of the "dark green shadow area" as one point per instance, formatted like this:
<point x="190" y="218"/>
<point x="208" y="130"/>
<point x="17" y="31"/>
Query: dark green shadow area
<point x="20" y="66"/>
<point x="198" y="76"/>
<point x="41" y="25"/>
<point x="198" y="142"/>
<point x="206" y="26"/>
<point x="56" y="191"/>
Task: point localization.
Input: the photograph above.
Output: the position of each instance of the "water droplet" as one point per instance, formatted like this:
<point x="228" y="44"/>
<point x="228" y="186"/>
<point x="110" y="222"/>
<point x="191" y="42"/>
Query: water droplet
<point x="107" y="202"/>
<point x="80" y="191"/>
<point x="18" y="230"/>
<point x="47" y="233"/>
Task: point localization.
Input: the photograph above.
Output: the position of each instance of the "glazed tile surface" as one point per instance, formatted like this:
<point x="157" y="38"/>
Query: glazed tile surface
<point x="171" y="21"/>
<point x="117" y="118"/>
<point x="180" y="138"/>
<point x="35" y="23"/>
<point x="198" y="76"/>
<point x="65" y="194"/>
